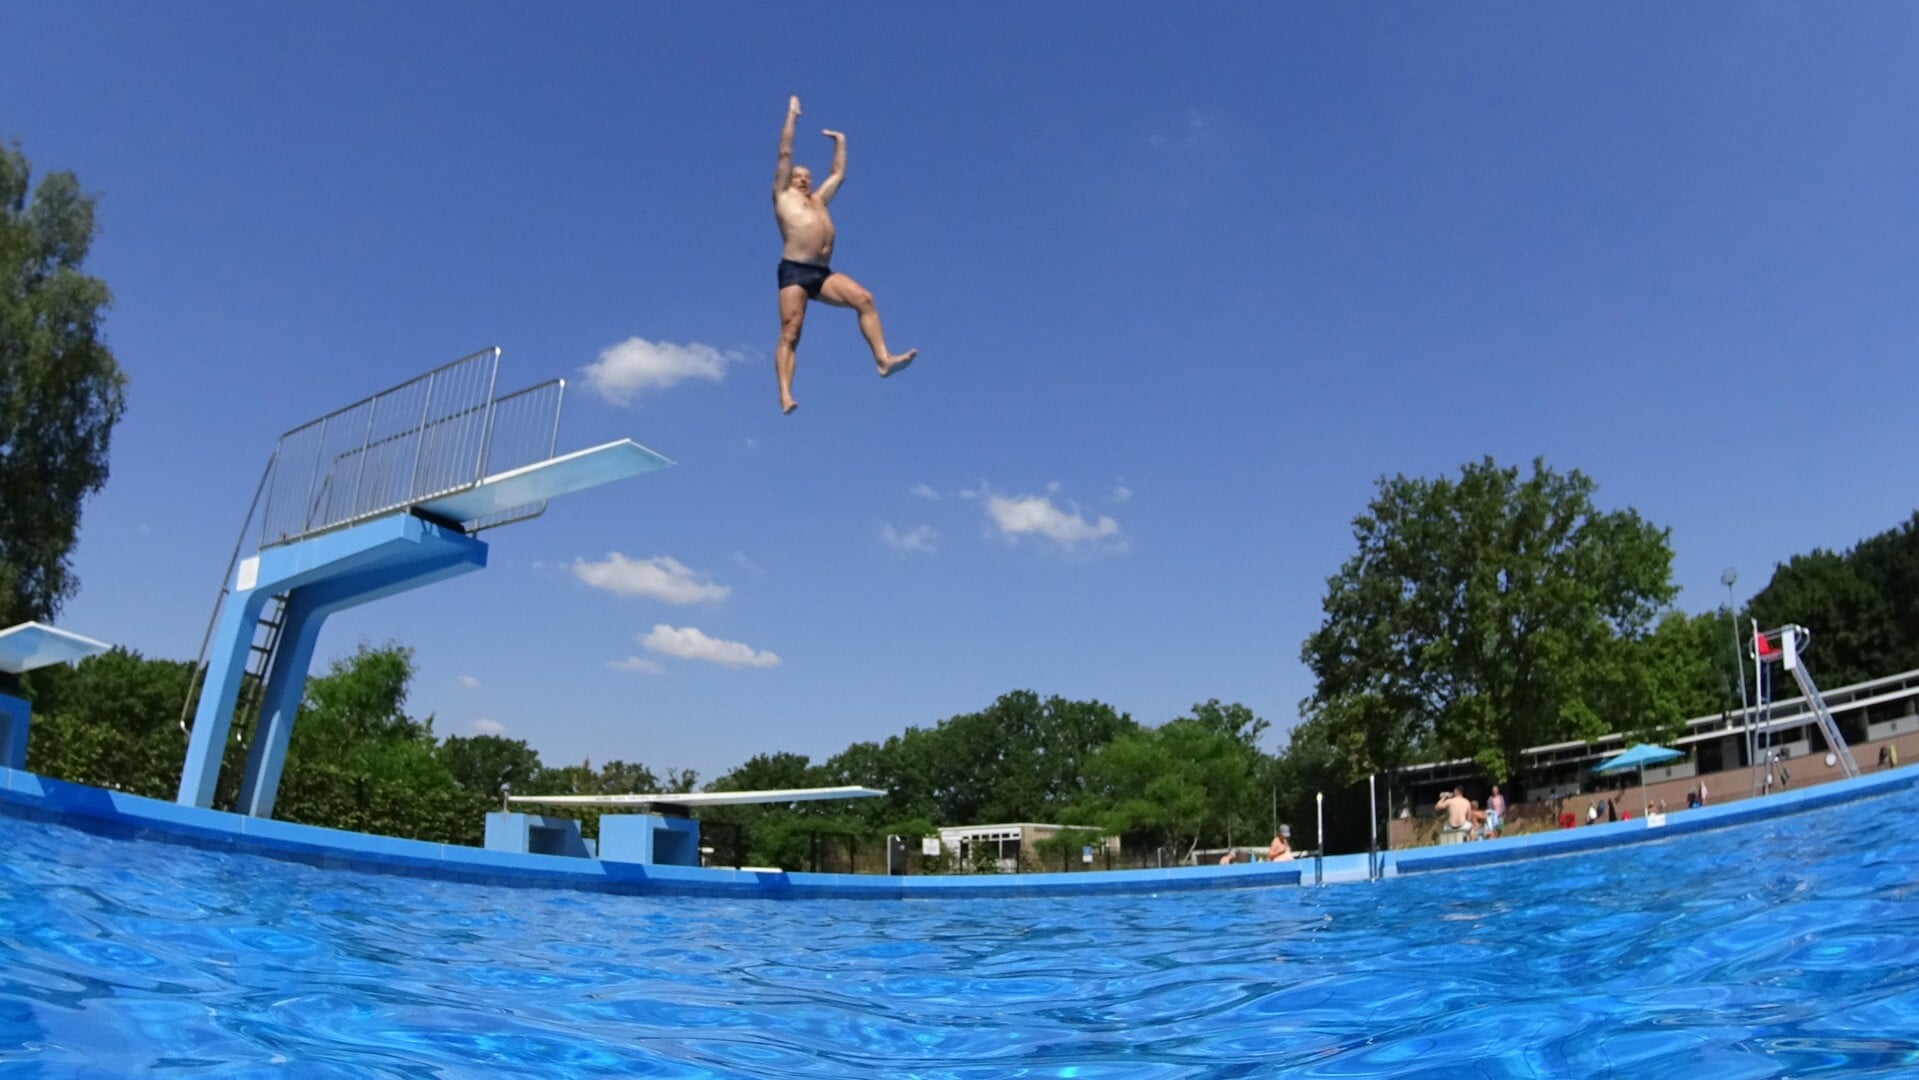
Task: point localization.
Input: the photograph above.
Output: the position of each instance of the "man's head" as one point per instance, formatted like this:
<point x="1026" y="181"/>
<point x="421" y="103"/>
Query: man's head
<point x="800" y="180"/>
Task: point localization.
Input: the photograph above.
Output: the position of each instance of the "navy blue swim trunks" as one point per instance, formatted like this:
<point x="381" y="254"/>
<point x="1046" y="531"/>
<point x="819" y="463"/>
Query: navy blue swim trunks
<point x="808" y="276"/>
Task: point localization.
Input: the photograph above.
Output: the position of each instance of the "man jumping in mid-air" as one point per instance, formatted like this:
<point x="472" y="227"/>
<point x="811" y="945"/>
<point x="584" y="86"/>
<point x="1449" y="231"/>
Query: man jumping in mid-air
<point x="807" y="230"/>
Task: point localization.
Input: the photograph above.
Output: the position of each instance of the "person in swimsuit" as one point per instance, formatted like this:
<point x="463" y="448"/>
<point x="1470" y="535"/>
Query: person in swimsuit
<point x="805" y="271"/>
<point x="1459" y="816"/>
<point x="1279" y="850"/>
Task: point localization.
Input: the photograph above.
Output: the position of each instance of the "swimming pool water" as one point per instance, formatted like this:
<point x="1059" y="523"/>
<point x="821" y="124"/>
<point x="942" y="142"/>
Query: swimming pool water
<point x="1787" y="948"/>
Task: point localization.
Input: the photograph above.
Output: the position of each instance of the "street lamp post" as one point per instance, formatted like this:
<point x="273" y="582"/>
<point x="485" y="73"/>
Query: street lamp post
<point x="1738" y="662"/>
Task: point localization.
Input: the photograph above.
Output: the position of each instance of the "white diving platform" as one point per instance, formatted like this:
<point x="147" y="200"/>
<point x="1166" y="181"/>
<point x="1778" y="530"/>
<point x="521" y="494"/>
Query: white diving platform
<point x="543" y="480"/>
<point x="705" y="798"/>
<point x="32" y="645"/>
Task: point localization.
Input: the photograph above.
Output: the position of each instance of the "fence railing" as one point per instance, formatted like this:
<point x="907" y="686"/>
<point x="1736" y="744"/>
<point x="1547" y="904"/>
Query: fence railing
<point x="430" y="436"/>
<point x="525" y="429"/>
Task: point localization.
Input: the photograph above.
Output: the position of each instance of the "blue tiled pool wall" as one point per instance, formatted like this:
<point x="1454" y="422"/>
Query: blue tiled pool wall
<point x="24" y="794"/>
<point x="133" y="816"/>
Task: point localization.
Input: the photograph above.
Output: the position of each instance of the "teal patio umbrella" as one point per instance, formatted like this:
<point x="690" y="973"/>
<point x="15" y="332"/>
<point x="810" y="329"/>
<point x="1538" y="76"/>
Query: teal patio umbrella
<point x="1639" y="757"/>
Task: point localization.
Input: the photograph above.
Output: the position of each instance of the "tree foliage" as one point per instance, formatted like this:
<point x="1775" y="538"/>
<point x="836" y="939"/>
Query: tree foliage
<point x="1840" y="599"/>
<point x="61" y="391"/>
<point x="1484" y="615"/>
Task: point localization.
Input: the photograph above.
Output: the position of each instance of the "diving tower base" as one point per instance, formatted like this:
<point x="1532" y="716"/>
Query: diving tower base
<point x="647" y="839"/>
<point x="312" y="579"/>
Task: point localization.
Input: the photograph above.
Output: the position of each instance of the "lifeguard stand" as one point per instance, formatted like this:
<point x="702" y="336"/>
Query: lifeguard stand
<point x="383" y="496"/>
<point x="1785" y="646"/>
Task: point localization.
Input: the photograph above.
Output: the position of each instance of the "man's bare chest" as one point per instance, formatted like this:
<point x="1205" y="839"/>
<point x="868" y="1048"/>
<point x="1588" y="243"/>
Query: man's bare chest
<point x="798" y="213"/>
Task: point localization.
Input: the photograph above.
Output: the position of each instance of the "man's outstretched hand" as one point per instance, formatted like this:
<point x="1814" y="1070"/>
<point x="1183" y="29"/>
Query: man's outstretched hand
<point x="836" y="136"/>
<point x="793" y="105"/>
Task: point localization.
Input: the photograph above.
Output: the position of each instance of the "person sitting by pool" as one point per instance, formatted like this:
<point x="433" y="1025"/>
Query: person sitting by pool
<point x="1459" y="816"/>
<point x="1227" y="859"/>
<point x="1279" y="850"/>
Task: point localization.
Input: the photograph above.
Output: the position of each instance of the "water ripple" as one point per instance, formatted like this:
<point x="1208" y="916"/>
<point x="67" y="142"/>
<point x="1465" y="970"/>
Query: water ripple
<point x="1777" y="949"/>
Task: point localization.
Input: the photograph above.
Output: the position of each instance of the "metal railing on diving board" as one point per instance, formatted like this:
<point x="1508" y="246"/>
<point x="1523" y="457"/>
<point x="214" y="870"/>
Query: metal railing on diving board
<point x="433" y="435"/>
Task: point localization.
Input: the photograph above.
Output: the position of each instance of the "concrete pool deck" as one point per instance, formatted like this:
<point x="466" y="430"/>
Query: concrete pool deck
<point x="26" y="795"/>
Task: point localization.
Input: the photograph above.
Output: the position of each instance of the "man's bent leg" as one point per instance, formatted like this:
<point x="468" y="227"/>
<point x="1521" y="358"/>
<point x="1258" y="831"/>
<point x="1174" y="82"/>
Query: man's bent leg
<point x="842" y="291"/>
<point x="792" y="317"/>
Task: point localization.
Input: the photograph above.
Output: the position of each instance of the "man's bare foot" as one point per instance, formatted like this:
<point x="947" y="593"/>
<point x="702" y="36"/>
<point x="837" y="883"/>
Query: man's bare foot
<point x="787" y="407"/>
<point x="895" y="363"/>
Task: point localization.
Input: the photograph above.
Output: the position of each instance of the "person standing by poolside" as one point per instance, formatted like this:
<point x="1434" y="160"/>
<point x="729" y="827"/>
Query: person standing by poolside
<point x="1459" y="816"/>
<point x="1495" y="811"/>
<point x="806" y="230"/>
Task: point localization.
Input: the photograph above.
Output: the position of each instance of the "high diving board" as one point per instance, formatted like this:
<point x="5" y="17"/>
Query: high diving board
<point x="543" y="480"/>
<point x="33" y="645"/>
<point x="705" y="798"/>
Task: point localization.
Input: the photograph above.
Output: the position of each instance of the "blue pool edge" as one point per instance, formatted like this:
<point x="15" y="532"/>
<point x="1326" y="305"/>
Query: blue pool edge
<point x="97" y="810"/>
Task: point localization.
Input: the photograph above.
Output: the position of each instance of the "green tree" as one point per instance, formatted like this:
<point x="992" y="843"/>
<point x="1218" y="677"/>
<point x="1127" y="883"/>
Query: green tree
<point x="1855" y="631"/>
<point x="110" y="721"/>
<point x="1889" y="562"/>
<point x="1481" y="616"/>
<point x="903" y="767"/>
<point x="61" y="391"/>
<point x="1180" y="785"/>
<point x="357" y="760"/>
<point x="489" y="764"/>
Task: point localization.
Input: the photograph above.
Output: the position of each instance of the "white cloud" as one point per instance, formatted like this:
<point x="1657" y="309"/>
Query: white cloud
<point x="924" y="491"/>
<point x="1037" y="516"/>
<point x="918" y="538"/>
<point x="1053" y="488"/>
<point x="637" y="663"/>
<point x="689" y="644"/>
<point x="740" y="560"/>
<point x="1121" y="492"/>
<point x="488" y="727"/>
<point x="637" y="365"/>
<point x="469" y="682"/>
<point x="662" y="578"/>
<point x="1190" y="130"/>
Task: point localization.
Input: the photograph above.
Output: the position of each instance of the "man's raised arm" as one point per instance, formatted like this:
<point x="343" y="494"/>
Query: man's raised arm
<point x="785" y="168"/>
<point x="838" y="173"/>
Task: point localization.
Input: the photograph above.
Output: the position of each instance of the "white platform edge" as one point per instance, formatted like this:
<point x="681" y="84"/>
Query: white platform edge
<point x="549" y="479"/>
<point x="33" y="645"/>
<point x="705" y="798"/>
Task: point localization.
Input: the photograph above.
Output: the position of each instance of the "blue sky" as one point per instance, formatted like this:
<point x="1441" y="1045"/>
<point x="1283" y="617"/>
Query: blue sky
<point x="1185" y="287"/>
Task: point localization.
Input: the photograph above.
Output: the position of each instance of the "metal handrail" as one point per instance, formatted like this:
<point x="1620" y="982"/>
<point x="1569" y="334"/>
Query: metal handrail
<point x="226" y="583"/>
<point x="434" y="435"/>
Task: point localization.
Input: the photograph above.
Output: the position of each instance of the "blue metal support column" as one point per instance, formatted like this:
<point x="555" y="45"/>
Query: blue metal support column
<point x="318" y="576"/>
<point x="14" y="715"/>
